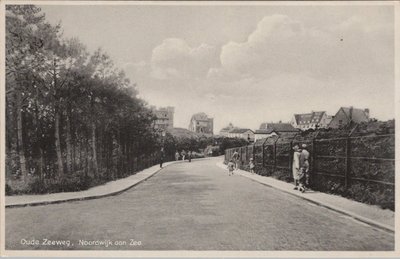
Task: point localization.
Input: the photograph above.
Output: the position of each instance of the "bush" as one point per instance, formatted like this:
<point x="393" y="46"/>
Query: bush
<point x="9" y="191"/>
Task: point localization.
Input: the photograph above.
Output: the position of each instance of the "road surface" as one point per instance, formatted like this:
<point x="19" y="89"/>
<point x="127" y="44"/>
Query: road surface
<point x="191" y="206"/>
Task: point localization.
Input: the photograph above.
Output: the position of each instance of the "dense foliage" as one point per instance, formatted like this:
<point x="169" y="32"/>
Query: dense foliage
<point x="73" y="118"/>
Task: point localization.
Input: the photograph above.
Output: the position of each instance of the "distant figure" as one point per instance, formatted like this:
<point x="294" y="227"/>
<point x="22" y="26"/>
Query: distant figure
<point x="251" y="166"/>
<point x="305" y="165"/>
<point x="161" y="157"/>
<point x="231" y="167"/>
<point x="176" y="155"/>
<point x="235" y="158"/>
<point x="296" y="168"/>
<point x="183" y="154"/>
<point x="190" y="156"/>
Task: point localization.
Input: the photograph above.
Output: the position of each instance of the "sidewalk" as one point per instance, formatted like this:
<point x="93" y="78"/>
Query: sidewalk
<point x="108" y="189"/>
<point x="372" y="215"/>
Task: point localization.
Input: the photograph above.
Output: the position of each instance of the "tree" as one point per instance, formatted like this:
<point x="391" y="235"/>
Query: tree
<point x="25" y="45"/>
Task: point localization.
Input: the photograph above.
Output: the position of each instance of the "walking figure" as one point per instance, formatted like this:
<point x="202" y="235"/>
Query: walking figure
<point x="161" y="157"/>
<point x="305" y="165"/>
<point x="183" y="154"/>
<point x="231" y="167"/>
<point x="190" y="156"/>
<point x="235" y="158"/>
<point x="251" y="166"/>
<point x="297" y="174"/>
<point x="176" y="155"/>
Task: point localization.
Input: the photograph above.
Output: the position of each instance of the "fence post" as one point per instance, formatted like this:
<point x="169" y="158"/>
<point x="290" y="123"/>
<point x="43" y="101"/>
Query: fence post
<point x="263" y="155"/>
<point x="247" y="153"/>
<point x="290" y="155"/>
<point x="314" y="155"/>
<point x="254" y="152"/>
<point x="275" y="155"/>
<point x="347" y="172"/>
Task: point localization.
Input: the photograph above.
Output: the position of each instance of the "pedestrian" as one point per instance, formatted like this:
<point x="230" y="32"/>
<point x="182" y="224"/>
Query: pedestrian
<point x="177" y="155"/>
<point x="305" y="165"/>
<point x="251" y="165"/>
<point x="235" y="158"/>
<point x="231" y="167"/>
<point x="296" y="168"/>
<point x="190" y="156"/>
<point x="161" y="157"/>
<point x="183" y="154"/>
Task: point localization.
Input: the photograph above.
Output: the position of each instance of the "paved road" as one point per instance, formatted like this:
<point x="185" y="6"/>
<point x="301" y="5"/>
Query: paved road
<point x="194" y="206"/>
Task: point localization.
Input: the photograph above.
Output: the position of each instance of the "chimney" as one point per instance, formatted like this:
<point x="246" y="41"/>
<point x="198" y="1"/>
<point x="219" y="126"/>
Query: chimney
<point x="367" y="112"/>
<point x="351" y="113"/>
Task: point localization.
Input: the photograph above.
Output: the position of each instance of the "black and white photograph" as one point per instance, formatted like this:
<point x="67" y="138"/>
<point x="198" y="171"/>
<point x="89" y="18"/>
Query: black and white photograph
<point x="215" y="128"/>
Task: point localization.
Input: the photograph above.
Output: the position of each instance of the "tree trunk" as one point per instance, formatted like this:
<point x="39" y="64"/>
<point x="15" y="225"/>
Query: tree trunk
<point x="95" y="166"/>
<point x="87" y="158"/>
<point x="41" y="164"/>
<point x="69" y="144"/>
<point x="58" y="145"/>
<point x="21" y="151"/>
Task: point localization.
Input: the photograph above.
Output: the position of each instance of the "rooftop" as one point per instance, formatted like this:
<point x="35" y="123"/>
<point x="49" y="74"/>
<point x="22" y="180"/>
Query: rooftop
<point x="306" y="118"/>
<point x="279" y="127"/>
<point x="200" y="116"/>
<point x="355" y="114"/>
<point x="239" y="130"/>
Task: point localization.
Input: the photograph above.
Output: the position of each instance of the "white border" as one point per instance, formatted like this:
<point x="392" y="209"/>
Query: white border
<point x="230" y="254"/>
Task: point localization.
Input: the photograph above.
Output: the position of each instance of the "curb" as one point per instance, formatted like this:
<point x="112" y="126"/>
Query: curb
<point x="331" y="207"/>
<point x="92" y="197"/>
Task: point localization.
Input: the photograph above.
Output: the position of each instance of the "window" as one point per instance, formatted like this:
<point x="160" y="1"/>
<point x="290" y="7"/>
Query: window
<point x="340" y="122"/>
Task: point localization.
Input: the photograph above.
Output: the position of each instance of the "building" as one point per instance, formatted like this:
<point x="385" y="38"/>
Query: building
<point x="201" y="123"/>
<point x="278" y="127"/>
<point x="273" y="129"/>
<point x="246" y="134"/>
<point x="346" y="115"/>
<point x="311" y="120"/>
<point x="165" y="117"/>
<point x="264" y="133"/>
<point x="224" y="131"/>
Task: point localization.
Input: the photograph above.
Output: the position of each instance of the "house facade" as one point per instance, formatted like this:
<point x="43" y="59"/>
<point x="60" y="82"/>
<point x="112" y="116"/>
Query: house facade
<point x="201" y="123"/>
<point x="273" y="129"/>
<point x="246" y="134"/>
<point x="278" y="127"/>
<point x="225" y="131"/>
<point x="311" y="120"/>
<point x="263" y="133"/>
<point x="346" y="115"/>
<point x="164" y="117"/>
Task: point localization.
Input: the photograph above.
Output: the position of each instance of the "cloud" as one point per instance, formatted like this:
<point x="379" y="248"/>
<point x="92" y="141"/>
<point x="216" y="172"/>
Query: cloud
<point x="283" y="66"/>
<point x="280" y="44"/>
<point x="174" y="58"/>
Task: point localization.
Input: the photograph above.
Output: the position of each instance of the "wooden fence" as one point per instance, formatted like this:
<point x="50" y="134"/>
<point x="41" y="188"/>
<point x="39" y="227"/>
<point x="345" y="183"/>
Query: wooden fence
<point x="346" y="160"/>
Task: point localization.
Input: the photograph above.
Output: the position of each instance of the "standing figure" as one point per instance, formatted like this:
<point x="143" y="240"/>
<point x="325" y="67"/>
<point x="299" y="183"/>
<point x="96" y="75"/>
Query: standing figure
<point x="296" y="168"/>
<point x="231" y="167"/>
<point x="251" y="165"/>
<point x="176" y="155"/>
<point x="161" y="157"/>
<point x="183" y="154"/>
<point x="235" y="158"/>
<point x="190" y="156"/>
<point x="305" y="165"/>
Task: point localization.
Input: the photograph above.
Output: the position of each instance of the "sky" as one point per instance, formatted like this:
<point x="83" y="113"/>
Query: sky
<point x="245" y="64"/>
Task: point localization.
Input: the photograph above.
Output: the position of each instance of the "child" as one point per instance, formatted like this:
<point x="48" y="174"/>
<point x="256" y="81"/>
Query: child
<point x="251" y="165"/>
<point x="231" y="167"/>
